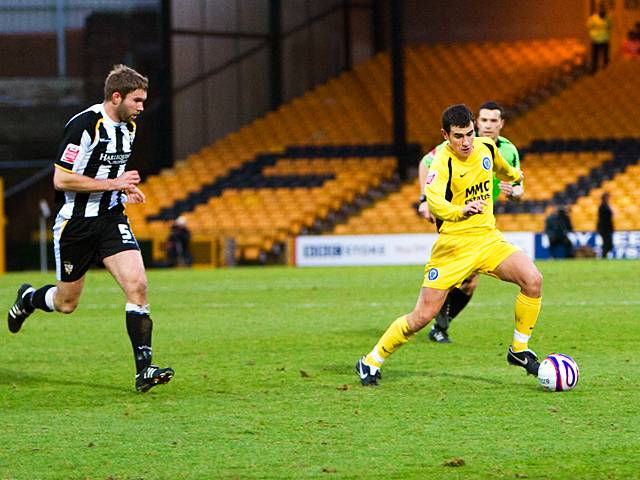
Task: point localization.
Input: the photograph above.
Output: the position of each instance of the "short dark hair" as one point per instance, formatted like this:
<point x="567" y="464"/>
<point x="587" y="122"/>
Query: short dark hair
<point x="124" y="80"/>
<point x="492" y="106"/>
<point x="458" y="115"/>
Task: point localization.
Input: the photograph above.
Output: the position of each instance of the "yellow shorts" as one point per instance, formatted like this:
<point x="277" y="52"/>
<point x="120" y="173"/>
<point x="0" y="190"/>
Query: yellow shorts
<point x="455" y="257"/>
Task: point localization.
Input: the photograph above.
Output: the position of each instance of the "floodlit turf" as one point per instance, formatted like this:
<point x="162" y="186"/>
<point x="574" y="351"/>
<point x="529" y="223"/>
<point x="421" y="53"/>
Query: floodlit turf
<point x="265" y="384"/>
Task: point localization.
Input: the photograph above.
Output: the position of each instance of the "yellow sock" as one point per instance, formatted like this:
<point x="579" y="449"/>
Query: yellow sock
<point x="527" y="310"/>
<point x="396" y="335"/>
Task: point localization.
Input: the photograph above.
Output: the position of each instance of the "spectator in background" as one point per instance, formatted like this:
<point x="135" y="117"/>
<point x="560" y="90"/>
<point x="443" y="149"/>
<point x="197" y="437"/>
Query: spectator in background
<point x="179" y="244"/>
<point x="631" y="45"/>
<point x="599" y="25"/>
<point x="557" y="226"/>
<point x="605" y="225"/>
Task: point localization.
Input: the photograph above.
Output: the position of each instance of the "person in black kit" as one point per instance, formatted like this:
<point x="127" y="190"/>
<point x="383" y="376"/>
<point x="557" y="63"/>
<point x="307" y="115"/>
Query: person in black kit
<point x="605" y="225"/>
<point x="178" y="244"/>
<point x="90" y="226"/>
<point x="557" y="226"/>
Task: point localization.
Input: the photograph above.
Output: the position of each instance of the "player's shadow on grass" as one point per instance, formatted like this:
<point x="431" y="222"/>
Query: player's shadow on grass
<point x="9" y="377"/>
<point x="452" y="377"/>
<point x="474" y="378"/>
<point x="395" y="374"/>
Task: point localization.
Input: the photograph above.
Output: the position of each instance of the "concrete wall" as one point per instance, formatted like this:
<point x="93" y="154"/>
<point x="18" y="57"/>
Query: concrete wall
<point x="470" y="20"/>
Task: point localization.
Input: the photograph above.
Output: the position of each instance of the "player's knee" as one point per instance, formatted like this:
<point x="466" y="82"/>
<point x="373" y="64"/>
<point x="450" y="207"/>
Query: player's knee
<point x="67" y="305"/>
<point x="538" y="280"/>
<point x="469" y="287"/>
<point x="137" y="286"/>
<point x="420" y="318"/>
<point x="533" y="284"/>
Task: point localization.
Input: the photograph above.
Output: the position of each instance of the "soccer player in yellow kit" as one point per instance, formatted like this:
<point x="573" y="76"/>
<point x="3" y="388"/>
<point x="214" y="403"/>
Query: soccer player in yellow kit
<point x="459" y="191"/>
<point x="488" y="124"/>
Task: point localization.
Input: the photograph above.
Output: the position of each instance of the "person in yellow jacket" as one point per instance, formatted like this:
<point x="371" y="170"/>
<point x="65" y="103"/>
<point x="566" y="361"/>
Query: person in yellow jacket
<point x="599" y="25"/>
<point x="459" y="190"/>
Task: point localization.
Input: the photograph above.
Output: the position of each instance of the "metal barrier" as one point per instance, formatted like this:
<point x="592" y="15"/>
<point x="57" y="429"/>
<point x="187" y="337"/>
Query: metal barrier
<point x="27" y="182"/>
<point x="207" y="251"/>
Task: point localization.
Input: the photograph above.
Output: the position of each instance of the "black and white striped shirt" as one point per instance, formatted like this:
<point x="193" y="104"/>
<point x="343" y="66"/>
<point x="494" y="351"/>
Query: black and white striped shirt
<point x="95" y="146"/>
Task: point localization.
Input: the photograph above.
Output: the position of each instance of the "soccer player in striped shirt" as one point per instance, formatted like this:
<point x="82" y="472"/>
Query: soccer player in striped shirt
<point x="92" y="185"/>
<point x="489" y="123"/>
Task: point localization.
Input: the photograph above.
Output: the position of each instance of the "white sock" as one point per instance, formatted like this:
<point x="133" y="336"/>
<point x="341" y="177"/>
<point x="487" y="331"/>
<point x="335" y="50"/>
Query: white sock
<point x="141" y="309"/>
<point x="48" y="298"/>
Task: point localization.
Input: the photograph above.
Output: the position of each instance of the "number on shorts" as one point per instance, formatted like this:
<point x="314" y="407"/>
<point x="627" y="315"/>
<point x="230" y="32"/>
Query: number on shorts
<point x="125" y="232"/>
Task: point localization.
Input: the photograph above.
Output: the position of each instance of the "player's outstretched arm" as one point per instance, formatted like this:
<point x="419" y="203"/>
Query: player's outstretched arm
<point x="67" y="181"/>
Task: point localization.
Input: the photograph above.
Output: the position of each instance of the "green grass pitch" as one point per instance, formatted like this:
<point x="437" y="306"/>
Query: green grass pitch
<point x="265" y="384"/>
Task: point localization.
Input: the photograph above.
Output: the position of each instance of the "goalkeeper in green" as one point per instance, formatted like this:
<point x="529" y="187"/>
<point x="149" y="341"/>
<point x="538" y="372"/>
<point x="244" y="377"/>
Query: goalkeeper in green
<point x="488" y="124"/>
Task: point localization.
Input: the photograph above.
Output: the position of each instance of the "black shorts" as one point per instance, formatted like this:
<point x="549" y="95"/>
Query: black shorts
<point x="80" y="243"/>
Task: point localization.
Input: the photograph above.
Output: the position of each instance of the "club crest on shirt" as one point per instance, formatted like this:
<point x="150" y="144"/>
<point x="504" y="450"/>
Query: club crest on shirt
<point x="433" y="274"/>
<point x="486" y="163"/>
<point x="70" y="153"/>
<point x="68" y="267"/>
<point x="431" y="177"/>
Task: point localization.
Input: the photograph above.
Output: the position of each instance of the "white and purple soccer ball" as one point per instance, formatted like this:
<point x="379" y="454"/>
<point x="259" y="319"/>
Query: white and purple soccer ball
<point x="558" y="373"/>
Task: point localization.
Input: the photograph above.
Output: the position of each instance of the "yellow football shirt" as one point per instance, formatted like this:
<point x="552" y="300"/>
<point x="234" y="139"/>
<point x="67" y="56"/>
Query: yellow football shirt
<point x="454" y="182"/>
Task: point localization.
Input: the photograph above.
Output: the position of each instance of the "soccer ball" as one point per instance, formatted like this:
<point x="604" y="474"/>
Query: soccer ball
<point x="558" y="373"/>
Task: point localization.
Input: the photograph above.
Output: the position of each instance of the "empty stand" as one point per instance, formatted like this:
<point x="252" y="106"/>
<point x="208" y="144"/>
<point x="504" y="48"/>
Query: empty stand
<point x="260" y="218"/>
<point x="551" y="172"/>
<point x="588" y="109"/>
<point x="239" y="187"/>
<point x="395" y="214"/>
<point x="551" y="177"/>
